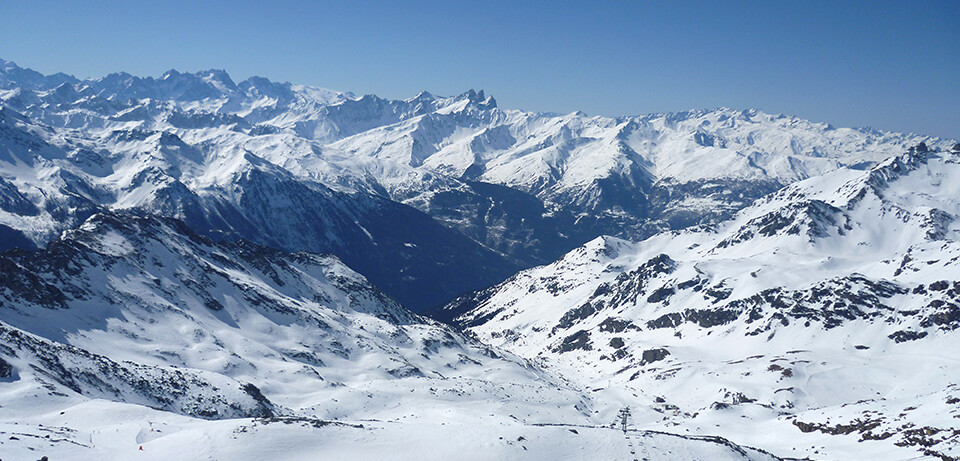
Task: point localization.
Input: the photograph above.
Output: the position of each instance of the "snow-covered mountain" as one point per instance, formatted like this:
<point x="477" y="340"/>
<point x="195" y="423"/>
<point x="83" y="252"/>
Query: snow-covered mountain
<point x="141" y="310"/>
<point x="54" y="179"/>
<point x="302" y="168"/>
<point x="222" y="270"/>
<point x="149" y="291"/>
<point x="131" y="335"/>
<point x="823" y="315"/>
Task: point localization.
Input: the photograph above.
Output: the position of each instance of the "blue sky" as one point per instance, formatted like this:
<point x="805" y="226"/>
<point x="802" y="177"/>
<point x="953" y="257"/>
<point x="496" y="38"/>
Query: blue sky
<point x="890" y="65"/>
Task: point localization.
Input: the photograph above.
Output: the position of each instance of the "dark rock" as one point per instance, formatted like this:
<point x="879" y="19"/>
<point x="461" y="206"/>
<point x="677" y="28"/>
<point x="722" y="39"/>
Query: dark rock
<point x="653" y="355"/>
<point x="661" y="294"/>
<point x="6" y="370"/>
<point x="939" y="285"/>
<point x="617" y="325"/>
<point x="575" y="315"/>
<point x="577" y="341"/>
<point x="907" y="335"/>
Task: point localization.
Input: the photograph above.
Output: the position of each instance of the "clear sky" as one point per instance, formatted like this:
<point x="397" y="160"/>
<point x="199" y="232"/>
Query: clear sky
<point x="889" y="65"/>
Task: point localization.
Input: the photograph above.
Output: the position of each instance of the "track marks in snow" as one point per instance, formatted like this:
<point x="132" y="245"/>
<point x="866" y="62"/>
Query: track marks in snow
<point x="633" y="449"/>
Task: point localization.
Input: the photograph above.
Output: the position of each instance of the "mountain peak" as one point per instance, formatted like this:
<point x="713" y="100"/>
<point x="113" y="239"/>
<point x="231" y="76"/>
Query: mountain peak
<point x="218" y="77"/>
<point x="424" y="96"/>
<point x="12" y="75"/>
<point x="8" y="65"/>
<point x="606" y="246"/>
<point x="476" y="99"/>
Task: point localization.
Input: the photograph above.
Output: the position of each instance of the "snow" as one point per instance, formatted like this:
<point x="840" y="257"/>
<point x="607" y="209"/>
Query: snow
<point x="347" y="371"/>
<point x="815" y="317"/>
<point x="120" y="430"/>
<point x="373" y="144"/>
<point x="841" y="369"/>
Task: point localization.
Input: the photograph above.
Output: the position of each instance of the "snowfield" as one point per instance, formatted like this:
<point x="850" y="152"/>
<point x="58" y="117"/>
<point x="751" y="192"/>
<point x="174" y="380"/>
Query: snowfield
<point x="120" y="430"/>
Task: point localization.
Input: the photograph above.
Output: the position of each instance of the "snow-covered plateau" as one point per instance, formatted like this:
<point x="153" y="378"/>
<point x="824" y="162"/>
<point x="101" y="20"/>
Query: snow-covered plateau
<point x="194" y="268"/>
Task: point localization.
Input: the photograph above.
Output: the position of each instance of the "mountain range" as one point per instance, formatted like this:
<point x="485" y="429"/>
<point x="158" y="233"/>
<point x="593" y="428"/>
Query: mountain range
<point x="369" y="179"/>
<point x="829" y="306"/>
<point x="195" y="263"/>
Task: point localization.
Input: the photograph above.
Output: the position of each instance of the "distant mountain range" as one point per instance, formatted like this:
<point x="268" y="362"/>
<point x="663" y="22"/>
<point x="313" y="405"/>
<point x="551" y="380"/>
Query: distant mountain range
<point x="369" y="179"/>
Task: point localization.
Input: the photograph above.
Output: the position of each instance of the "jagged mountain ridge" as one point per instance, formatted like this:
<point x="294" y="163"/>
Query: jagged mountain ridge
<point x="525" y="185"/>
<point x="823" y="313"/>
<point x="228" y="197"/>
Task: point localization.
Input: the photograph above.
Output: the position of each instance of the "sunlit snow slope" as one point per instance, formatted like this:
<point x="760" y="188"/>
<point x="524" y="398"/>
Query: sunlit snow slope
<point x="821" y="321"/>
<point x="133" y="331"/>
